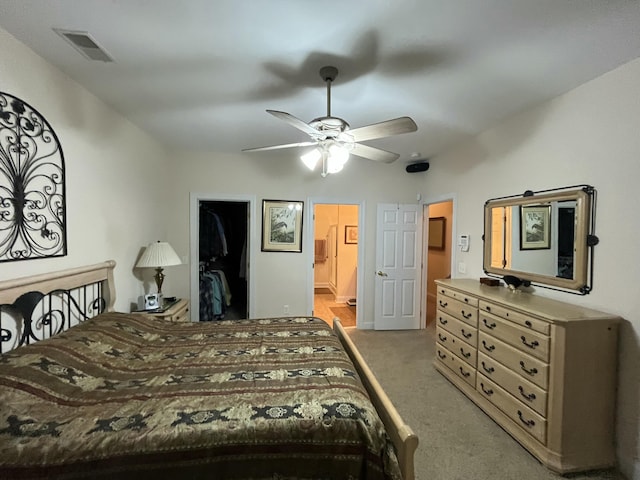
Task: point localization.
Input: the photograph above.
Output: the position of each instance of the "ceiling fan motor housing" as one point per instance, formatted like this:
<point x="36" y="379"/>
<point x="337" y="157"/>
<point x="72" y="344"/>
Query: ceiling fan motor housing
<point x="330" y="124"/>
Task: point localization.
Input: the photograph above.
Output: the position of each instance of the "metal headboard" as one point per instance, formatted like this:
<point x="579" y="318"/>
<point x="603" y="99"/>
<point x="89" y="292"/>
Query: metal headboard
<point x="38" y="307"/>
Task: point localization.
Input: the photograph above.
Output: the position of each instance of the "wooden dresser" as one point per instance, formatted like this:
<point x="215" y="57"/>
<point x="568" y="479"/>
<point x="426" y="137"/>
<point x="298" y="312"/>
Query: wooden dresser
<point x="544" y="370"/>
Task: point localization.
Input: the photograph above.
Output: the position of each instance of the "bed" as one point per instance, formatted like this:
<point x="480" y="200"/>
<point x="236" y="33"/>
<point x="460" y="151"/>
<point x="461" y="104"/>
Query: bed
<point x="87" y="392"/>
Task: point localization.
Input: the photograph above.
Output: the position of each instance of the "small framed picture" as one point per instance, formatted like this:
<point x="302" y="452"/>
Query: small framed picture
<point x="437" y="233"/>
<point x="282" y="226"/>
<point x="535" y="227"/>
<point x="350" y="234"/>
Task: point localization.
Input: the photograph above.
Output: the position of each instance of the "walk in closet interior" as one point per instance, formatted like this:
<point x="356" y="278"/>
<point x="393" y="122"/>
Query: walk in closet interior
<point x="223" y="262"/>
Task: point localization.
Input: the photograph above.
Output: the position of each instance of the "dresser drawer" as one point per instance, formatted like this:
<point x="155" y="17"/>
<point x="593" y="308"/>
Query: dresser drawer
<point x="460" y="296"/>
<point x="525" y="391"/>
<point x="458" y="328"/>
<point x="457" y="366"/>
<point x="458" y="309"/>
<point x="521" y="338"/>
<point x="516" y="317"/>
<point x="462" y="349"/>
<point x="523" y="416"/>
<point x="524" y="365"/>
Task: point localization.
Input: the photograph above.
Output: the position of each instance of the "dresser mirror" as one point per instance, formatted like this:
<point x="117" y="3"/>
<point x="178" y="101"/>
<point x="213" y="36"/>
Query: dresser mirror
<point x="543" y="238"/>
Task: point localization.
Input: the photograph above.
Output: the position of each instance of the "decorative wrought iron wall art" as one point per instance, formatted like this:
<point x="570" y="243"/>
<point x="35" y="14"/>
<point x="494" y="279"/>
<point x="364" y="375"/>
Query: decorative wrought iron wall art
<point x="32" y="184"/>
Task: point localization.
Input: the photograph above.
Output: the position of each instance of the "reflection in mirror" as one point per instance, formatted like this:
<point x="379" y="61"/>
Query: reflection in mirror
<point x="543" y="237"/>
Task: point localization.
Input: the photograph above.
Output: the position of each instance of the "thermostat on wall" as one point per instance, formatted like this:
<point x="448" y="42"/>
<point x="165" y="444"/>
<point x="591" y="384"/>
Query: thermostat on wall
<point x="463" y="242"/>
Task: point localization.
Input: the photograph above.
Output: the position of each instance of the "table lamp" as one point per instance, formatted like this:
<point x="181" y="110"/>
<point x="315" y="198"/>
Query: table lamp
<point x="158" y="255"/>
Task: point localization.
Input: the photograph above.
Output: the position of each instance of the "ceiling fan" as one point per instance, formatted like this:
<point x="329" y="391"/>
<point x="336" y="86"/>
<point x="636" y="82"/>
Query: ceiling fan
<point x="333" y="139"/>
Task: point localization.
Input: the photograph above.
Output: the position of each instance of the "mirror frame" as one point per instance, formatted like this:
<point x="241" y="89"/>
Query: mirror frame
<point x="584" y="239"/>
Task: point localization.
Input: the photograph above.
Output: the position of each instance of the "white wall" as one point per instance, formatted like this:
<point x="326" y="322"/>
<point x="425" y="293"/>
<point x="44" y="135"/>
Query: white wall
<point x="281" y="278"/>
<point x="590" y="135"/>
<point x="114" y="172"/>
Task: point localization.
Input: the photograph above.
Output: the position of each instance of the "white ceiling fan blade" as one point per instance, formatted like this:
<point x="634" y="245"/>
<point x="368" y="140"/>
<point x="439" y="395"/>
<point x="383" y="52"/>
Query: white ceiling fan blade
<point x="373" y="153"/>
<point x="277" y="147"/>
<point x="295" y="122"/>
<point x="383" y="129"/>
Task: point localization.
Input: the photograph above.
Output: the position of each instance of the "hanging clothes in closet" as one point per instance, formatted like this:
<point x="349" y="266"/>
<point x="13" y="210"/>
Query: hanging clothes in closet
<point x="215" y="295"/>
<point x="213" y="243"/>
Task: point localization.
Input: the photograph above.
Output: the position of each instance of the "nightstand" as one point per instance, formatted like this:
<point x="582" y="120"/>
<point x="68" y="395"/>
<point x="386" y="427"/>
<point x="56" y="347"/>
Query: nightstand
<point x="177" y="311"/>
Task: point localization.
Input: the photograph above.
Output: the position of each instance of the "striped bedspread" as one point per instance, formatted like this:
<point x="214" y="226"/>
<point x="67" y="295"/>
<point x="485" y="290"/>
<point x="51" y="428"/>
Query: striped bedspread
<point x="128" y="396"/>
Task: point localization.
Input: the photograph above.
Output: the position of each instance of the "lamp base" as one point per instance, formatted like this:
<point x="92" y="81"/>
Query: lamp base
<point x="159" y="276"/>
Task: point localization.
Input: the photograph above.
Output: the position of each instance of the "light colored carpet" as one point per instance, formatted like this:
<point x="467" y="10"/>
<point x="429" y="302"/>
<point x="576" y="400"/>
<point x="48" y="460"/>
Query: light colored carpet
<point x="457" y="440"/>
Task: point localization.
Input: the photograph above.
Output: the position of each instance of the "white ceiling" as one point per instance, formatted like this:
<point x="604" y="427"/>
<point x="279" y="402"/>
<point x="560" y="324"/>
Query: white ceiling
<point x="199" y="74"/>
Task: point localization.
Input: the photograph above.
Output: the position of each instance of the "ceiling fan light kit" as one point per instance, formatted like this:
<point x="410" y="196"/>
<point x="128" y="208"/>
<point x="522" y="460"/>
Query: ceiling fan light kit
<point x="334" y="140"/>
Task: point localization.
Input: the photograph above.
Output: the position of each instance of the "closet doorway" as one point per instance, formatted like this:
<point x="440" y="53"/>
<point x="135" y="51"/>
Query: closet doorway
<point x="335" y="262"/>
<point x="220" y="248"/>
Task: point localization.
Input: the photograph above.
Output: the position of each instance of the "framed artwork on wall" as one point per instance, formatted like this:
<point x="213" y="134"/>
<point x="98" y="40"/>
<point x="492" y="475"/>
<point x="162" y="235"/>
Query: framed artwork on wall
<point x="282" y="226"/>
<point x="535" y="227"/>
<point x="350" y="234"/>
<point x="437" y="233"/>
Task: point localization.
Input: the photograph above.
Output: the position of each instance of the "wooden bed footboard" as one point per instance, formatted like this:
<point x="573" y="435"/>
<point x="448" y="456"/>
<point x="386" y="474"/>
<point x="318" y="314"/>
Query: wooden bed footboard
<point x="401" y="434"/>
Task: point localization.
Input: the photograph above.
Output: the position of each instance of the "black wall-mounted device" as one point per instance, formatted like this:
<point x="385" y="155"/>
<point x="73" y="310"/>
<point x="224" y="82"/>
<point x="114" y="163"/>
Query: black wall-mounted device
<point x="417" y="167"/>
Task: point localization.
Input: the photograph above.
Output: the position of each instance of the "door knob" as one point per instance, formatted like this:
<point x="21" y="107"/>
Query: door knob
<point x="381" y="273"/>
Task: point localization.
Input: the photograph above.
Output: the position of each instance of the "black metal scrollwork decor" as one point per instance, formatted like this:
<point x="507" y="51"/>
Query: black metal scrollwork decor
<point x="32" y="184"/>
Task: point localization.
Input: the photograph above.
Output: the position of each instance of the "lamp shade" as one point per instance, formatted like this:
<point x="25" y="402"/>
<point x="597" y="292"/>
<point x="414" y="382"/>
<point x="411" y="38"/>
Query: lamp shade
<point x="158" y="254"/>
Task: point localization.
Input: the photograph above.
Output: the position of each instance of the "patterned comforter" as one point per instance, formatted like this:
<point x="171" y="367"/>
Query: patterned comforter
<point x="129" y="396"/>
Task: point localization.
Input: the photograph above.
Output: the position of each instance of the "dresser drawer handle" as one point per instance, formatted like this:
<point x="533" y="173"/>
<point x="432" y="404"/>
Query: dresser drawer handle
<point x="465" y="354"/>
<point x="528" y="423"/>
<point x="443" y="321"/>
<point x="442" y="337"/>
<point x="533" y="344"/>
<point x="464" y="374"/>
<point x="443" y="304"/>
<point x="530" y="371"/>
<point x="442" y="355"/>
<point x="466" y="335"/>
<point x="488" y="391"/>
<point x="466" y="300"/>
<point x="466" y="315"/>
<point x="490" y="348"/>
<point x="528" y="323"/>
<point x="487" y="308"/>
<point x="527" y="396"/>
<point x="489" y="370"/>
<point x="491" y="325"/>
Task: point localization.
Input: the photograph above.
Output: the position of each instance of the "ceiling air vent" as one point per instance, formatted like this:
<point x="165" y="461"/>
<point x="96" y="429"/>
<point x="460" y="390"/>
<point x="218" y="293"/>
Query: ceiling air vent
<point x="86" y="45"/>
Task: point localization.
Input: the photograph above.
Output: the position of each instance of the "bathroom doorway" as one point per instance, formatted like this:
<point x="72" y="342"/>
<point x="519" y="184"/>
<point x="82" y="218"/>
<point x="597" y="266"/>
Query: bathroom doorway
<point x="336" y="233"/>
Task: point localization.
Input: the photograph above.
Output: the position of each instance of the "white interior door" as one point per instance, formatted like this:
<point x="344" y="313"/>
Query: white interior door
<point x="398" y="267"/>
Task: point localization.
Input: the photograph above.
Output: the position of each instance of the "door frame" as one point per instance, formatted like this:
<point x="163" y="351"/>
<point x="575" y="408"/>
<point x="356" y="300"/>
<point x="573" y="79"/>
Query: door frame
<point x="447" y="197"/>
<point x="194" y="246"/>
<point x="310" y="247"/>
